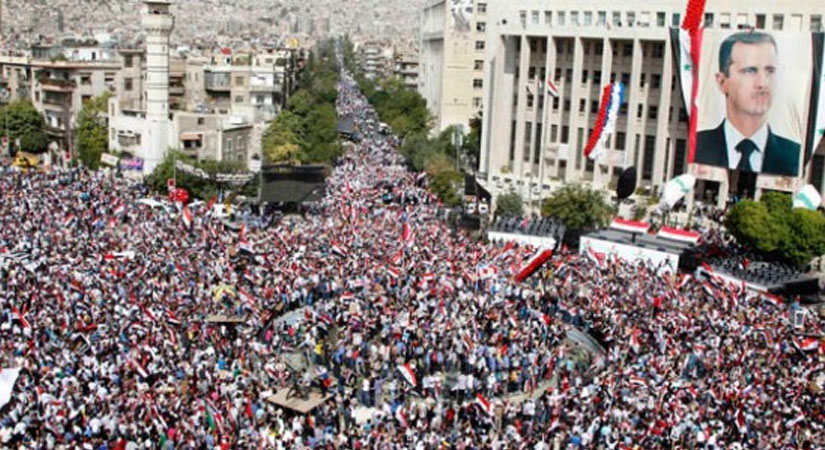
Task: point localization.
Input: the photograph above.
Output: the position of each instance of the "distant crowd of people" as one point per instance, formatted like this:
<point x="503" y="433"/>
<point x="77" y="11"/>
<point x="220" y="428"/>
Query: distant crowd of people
<point x="139" y="327"/>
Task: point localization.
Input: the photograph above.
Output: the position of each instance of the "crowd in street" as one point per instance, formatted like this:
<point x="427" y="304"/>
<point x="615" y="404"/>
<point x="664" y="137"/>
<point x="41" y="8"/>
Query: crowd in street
<point x="138" y="327"/>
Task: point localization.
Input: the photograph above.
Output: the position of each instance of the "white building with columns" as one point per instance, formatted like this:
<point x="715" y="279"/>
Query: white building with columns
<point x="533" y="142"/>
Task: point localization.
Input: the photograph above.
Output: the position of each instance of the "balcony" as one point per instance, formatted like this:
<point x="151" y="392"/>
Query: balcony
<point x="176" y="90"/>
<point x="57" y="85"/>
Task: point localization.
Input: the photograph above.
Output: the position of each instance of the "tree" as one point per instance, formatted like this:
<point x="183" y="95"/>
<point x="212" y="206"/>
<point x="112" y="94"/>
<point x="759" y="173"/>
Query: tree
<point x="447" y="186"/>
<point x="92" y="131"/>
<point x="578" y="207"/>
<point x="773" y="227"/>
<point x="509" y="205"/>
<point x="25" y="123"/>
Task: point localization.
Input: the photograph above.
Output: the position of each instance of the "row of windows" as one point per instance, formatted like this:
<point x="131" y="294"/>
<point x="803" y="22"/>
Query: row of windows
<point x="660" y="19"/>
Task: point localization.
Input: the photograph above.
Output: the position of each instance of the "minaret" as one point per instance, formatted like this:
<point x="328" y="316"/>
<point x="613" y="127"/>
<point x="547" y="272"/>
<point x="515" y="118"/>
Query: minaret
<point x="157" y="23"/>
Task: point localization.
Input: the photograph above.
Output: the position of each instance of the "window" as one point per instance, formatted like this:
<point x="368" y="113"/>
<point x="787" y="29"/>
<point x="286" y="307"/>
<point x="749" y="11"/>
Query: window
<point x="476" y="102"/>
<point x="660" y="19"/>
<point x="557" y="74"/>
<point x="623" y="109"/>
<point x="127" y="84"/>
<point x="647" y="164"/>
<point x="658" y="50"/>
<point x="642" y="80"/>
<point x="597" y="76"/>
<point x="481" y="7"/>
<point x="86" y="80"/>
<point x="515" y="100"/>
<point x="640" y="110"/>
<point x="535" y="17"/>
<point x="816" y="22"/>
<point x="567" y="106"/>
<point x="531" y="72"/>
<point x="582" y="105"/>
<point x="565" y="134"/>
<point x="724" y="21"/>
<point x="708" y="20"/>
<point x="127" y="61"/>
<point x="594" y="106"/>
<point x="239" y="99"/>
<point x="586" y="47"/>
<point x="679" y="158"/>
<point x="675" y="20"/>
<point x="560" y="15"/>
<point x="602" y="18"/>
<point x="625" y="78"/>
<point x="598" y="48"/>
<point x="530" y="98"/>
<point x="528" y="133"/>
<point x="617" y="19"/>
<point x="238" y="81"/>
<point x="541" y="100"/>
<point x="620" y="140"/>
<point x="778" y="21"/>
<point x="478" y="64"/>
<point x="584" y="76"/>
<point x="683" y="115"/>
<point x="574" y="17"/>
<point x="548" y="17"/>
<point x="555" y="103"/>
<point x="760" y="23"/>
<point x="568" y="75"/>
<point x="478" y="83"/>
<point x="655" y="81"/>
<point x="627" y="49"/>
<point x="554" y="131"/>
<point x="588" y="18"/>
<point x="631" y="18"/>
<point x="481" y="26"/>
<point x="652" y="112"/>
<point x="201" y="120"/>
<point x="479" y="45"/>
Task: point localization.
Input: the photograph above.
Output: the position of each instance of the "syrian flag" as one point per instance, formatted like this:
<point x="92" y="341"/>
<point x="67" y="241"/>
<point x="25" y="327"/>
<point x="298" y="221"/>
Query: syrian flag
<point x="484" y="404"/>
<point x="172" y="319"/>
<point x="407" y="234"/>
<point x="339" y="251"/>
<point x="25" y="323"/>
<point x="69" y="220"/>
<point x="245" y="246"/>
<point x="816" y="115"/>
<point x="551" y="88"/>
<point x="408" y="374"/>
<point x="740" y="422"/>
<point x="187" y="217"/>
<point x="631" y="226"/>
<point x="687" y="43"/>
<point x="429" y="276"/>
<point x="347" y="296"/>
<point x="685" y="279"/>
<point x="675" y="234"/>
<point x="810" y="344"/>
<point x="119" y="209"/>
<point x="393" y="272"/>
<point x="533" y="264"/>
<point x="773" y="300"/>
<point x="211" y="203"/>
<point x="487" y="272"/>
<point x="401" y="417"/>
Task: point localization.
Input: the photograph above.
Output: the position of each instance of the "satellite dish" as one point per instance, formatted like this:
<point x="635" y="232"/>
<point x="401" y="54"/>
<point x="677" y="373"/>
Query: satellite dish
<point x="627" y="183"/>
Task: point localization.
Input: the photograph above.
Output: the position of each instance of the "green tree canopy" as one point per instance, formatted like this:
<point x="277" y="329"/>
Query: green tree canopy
<point x="25" y="123"/>
<point x="773" y="227"/>
<point x="509" y="205"/>
<point x="578" y="207"/>
<point x="447" y="185"/>
<point x="92" y="131"/>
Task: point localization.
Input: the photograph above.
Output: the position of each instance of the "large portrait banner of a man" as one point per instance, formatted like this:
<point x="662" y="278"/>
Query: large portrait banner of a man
<point x="753" y="93"/>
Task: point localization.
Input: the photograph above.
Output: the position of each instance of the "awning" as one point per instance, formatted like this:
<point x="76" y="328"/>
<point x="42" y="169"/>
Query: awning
<point x="190" y="136"/>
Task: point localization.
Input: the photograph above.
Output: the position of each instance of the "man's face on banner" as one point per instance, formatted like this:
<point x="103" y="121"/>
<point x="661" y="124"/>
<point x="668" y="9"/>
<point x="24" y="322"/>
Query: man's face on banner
<point x="748" y="85"/>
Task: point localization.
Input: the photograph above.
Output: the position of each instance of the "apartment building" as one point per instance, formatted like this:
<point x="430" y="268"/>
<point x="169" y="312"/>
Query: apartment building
<point x="58" y="80"/>
<point x="532" y="141"/>
<point x="376" y="59"/>
<point x="451" y="60"/>
<point x="406" y="67"/>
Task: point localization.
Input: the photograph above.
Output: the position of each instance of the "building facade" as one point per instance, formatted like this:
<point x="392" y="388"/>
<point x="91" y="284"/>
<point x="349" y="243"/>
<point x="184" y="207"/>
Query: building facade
<point x="532" y="141"/>
<point x="451" y="59"/>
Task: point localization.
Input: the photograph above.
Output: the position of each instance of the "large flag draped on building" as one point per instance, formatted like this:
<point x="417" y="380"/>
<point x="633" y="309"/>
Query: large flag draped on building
<point x="816" y="115"/>
<point x="612" y="98"/>
<point x="687" y="43"/>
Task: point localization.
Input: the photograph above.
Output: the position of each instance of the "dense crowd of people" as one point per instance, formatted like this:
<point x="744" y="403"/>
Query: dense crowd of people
<point x="118" y="315"/>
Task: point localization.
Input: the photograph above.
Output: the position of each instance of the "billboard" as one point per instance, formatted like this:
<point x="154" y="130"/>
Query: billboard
<point x="752" y="99"/>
